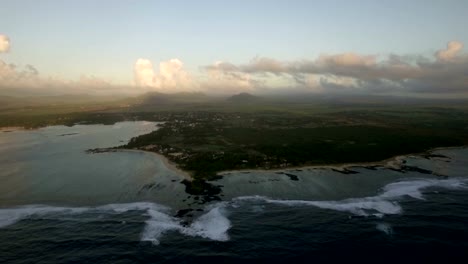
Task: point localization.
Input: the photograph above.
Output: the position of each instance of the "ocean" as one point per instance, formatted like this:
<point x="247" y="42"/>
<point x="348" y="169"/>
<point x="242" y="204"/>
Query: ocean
<point x="59" y="204"/>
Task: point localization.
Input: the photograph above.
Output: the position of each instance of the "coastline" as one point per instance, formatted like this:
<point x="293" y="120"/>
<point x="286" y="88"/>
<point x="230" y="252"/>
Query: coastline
<point x="395" y="162"/>
<point x="12" y="129"/>
<point x="169" y="164"/>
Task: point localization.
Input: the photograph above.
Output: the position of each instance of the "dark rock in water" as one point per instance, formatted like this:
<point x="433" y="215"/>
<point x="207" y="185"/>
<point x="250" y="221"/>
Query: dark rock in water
<point x="397" y="170"/>
<point x="373" y="167"/>
<point x="292" y="177"/>
<point x="183" y="212"/>
<point x="100" y="150"/>
<point x="407" y="168"/>
<point x="150" y="186"/>
<point x="203" y="191"/>
<point x="416" y="169"/>
<point x="437" y="156"/>
<point x="147" y="187"/>
<point x="430" y="156"/>
<point x="68" y="134"/>
<point x="345" y="171"/>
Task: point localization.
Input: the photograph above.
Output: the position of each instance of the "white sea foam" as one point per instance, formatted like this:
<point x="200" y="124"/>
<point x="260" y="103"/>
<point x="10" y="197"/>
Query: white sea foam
<point x="10" y="216"/>
<point x="358" y="206"/>
<point x="413" y="188"/>
<point x="157" y="225"/>
<point x="212" y="225"/>
<point x="384" y="227"/>
<point x="382" y="204"/>
<point x="138" y="206"/>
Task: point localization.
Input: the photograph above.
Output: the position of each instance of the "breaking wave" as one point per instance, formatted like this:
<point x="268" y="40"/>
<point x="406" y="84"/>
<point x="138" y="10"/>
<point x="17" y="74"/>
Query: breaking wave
<point x="214" y="223"/>
<point x="385" y="203"/>
<point x="211" y="225"/>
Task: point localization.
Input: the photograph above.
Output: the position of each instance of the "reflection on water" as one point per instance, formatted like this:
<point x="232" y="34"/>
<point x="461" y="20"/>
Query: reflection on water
<point x="60" y="203"/>
<point x="50" y="166"/>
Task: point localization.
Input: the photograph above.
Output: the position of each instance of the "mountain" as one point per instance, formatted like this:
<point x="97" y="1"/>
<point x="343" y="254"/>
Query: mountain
<point x="244" y="98"/>
<point x="162" y="98"/>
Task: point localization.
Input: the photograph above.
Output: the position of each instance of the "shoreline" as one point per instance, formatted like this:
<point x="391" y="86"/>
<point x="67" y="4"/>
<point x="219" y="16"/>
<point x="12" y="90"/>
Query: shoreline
<point x="12" y="129"/>
<point x="169" y="164"/>
<point x="395" y="162"/>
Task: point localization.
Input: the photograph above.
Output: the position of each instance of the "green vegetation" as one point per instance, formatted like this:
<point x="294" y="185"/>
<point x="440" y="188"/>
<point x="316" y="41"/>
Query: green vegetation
<point x="205" y="135"/>
<point x="205" y="143"/>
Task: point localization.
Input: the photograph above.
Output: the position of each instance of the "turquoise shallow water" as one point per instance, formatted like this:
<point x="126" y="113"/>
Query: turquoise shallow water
<point x="59" y="204"/>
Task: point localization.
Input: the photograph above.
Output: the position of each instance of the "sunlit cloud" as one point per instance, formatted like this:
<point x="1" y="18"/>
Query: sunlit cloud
<point x="4" y="43"/>
<point x="444" y="73"/>
<point x="170" y="78"/>
<point x="453" y="48"/>
<point x="27" y="80"/>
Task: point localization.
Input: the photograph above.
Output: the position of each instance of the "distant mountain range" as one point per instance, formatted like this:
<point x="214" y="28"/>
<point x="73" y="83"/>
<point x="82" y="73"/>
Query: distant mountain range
<point x="244" y="98"/>
<point x="150" y="100"/>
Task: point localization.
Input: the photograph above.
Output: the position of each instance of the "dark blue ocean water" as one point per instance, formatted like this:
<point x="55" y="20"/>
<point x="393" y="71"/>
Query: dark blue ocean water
<point x="137" y="211"/>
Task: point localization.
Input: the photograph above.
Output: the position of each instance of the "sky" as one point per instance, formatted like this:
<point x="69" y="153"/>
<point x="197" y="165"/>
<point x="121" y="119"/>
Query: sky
<point x="259" y="46"/>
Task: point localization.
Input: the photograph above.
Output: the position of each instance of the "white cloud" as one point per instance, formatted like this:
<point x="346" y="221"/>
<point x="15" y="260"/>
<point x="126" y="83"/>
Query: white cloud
<point x="144" y="73"/>
<point x="170" y="78"/>
<point x="444" y="73"/>
<point x="346" y="59"/>
<point x="222" y="78"/>
<point x="453" y="48"/>
<point x="27" y="80"/>
<point x="4" y="43"/>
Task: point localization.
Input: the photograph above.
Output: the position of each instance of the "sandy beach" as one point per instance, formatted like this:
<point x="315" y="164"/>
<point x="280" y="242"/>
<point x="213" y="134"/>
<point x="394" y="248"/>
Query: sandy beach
<point x="393" y="162"/>
<point x="11" y="129"/>
<point x="170" y="165"/>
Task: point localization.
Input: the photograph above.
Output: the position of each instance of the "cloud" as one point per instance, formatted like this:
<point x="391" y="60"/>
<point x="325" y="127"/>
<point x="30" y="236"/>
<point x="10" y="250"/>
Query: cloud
<point x="346" y="59"/>
<point x="453" y="48"/>
<point x="4" y="43"/>
<point x="144" y="73"/>
<point x="222" y="77"/>
<point x="446" y="72"/>
<point x="16" y="80"/>
<point x="170" y="78"/>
